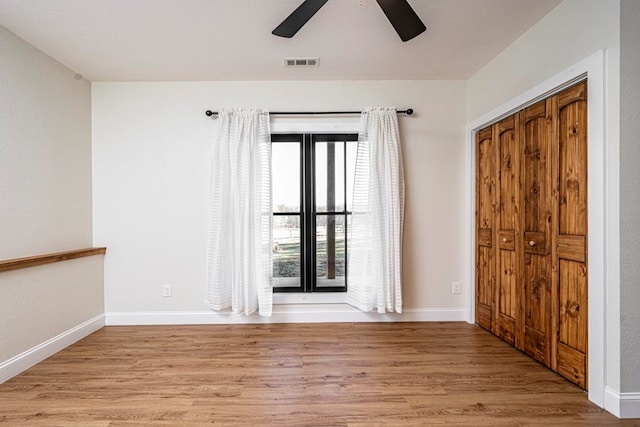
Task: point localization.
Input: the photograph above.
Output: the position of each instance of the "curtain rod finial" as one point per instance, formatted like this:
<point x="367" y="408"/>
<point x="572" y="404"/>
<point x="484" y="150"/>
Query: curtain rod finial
<point x="209" y="113"/>
<point x="409" y="111"/>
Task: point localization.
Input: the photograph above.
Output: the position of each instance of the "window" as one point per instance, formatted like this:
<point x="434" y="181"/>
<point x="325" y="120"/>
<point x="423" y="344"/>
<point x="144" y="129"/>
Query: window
<point x="312" y="192"/>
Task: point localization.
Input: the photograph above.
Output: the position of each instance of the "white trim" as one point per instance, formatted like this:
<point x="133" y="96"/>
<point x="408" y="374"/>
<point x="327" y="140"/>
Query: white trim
<point x="302" y="124"/>
<point x="37" y="354"/>
<point x="622" y="405"/>
<point x="281" y="315"/>
<point x="470" y="215"/>
<point x="602" y="193"/>
<point x="309" y="298"/>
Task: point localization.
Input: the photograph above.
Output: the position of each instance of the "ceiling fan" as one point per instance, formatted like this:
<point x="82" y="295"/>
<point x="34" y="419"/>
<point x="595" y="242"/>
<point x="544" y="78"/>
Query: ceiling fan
<point x="403" y="18"/>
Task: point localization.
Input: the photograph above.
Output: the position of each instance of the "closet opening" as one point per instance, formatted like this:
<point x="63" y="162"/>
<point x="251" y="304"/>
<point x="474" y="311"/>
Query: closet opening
<point x="531" y="231"/>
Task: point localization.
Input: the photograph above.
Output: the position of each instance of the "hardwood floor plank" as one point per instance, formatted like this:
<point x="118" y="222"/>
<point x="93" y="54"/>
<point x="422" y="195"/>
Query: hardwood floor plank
<point x="364" y="374"/>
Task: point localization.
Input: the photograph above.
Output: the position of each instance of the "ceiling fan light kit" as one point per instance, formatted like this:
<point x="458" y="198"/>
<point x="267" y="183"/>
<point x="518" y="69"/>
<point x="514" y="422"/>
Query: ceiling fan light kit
<point x="399" y="12"/>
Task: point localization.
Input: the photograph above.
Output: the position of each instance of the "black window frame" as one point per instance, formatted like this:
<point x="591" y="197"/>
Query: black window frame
<point x="308" y="212"/>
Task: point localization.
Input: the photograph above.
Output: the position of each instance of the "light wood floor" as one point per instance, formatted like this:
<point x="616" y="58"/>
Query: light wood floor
<point x="367" y="374"/>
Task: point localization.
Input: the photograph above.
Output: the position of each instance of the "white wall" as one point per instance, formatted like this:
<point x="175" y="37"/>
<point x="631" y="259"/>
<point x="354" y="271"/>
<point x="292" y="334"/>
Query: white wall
<point x="630" y="195"/>
<point x="569" y="33"/>
<point x="574" y="31"/>
<point x="45" y="197"/>
<point x="151" y="155"/>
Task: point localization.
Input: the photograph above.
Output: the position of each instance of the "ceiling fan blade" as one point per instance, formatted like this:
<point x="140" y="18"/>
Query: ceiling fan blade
<point x="403" y="18"/>
<point x="290" y="26"/>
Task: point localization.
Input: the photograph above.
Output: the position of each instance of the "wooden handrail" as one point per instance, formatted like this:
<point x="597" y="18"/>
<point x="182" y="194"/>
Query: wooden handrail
<point x="32" y="261"/>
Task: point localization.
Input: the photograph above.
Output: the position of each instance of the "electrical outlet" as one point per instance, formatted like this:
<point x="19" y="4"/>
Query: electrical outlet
<point x="455" y="288"/>
<point x="166" y="290"/>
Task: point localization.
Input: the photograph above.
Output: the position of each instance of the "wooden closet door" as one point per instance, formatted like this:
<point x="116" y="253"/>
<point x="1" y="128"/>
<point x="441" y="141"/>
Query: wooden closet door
<point x="485" y="227"/>
<point x="536" y="298"/>
<point x="531" y="231"/>
<point x="572" y="234"/>
<point x="508" y="223"/>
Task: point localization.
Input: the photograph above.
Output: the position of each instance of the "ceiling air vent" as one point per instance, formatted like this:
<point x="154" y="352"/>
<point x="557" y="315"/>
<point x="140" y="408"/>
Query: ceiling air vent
<point x="301" y="62"/>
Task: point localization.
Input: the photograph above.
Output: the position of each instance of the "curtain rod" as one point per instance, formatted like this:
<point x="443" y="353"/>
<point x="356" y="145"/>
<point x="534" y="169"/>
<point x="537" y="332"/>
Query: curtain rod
<point x="408" y="112"/>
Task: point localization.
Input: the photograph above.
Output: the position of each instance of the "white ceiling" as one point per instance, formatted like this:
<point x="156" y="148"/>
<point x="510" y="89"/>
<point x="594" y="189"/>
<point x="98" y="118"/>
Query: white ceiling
<point x="160" y="40"/>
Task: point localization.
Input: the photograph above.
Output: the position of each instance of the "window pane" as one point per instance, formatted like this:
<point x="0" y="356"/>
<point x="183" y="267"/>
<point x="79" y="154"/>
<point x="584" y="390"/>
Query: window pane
<point x="286" y="251"/>
<point x="285" y="160"/>
<point x="329" y="176"/>
<point x="352" y="148"/>
<point x="330" y="250"/>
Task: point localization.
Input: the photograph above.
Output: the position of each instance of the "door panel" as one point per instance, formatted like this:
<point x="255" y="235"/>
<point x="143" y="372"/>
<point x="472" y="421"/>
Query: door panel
<point x="506" y="305"/>
<point x="537" y="307"/>
<point x="572" y="365"/>
<point x="573" y="182"/>
<point x="537" y="166"/>
<point x="507" y="302"/>
<point x="572" y="234"/>
<point x="485" y="228"/>
<point x="484" y="288"/>
<point x="573" y="302"/>
<point x="537" y="189"/>
<point x="509" y="179"/>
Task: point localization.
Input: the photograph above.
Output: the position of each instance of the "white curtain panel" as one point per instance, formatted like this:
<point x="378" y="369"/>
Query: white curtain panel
<point x="375" y="234"/>
<point x="239" y="253"/>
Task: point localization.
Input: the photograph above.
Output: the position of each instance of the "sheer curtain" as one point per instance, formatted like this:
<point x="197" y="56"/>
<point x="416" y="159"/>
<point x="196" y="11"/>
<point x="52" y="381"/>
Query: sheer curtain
<point x="375" y="234"/>
<point x="239" y="241"/>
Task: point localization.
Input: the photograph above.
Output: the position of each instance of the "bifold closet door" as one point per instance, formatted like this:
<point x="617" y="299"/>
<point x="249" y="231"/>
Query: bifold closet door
<point x="531" y="231"/>
<point x="572" y="234"/>
<point x="485" y="227"/>
<point x="536" y="300"/>
<point x="509" y="273"/>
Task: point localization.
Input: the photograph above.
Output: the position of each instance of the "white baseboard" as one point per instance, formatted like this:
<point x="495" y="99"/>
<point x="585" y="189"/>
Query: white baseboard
<point x="281" y="316"/>
<point x="37" y="354"/>
<point x="622" y="405"/>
